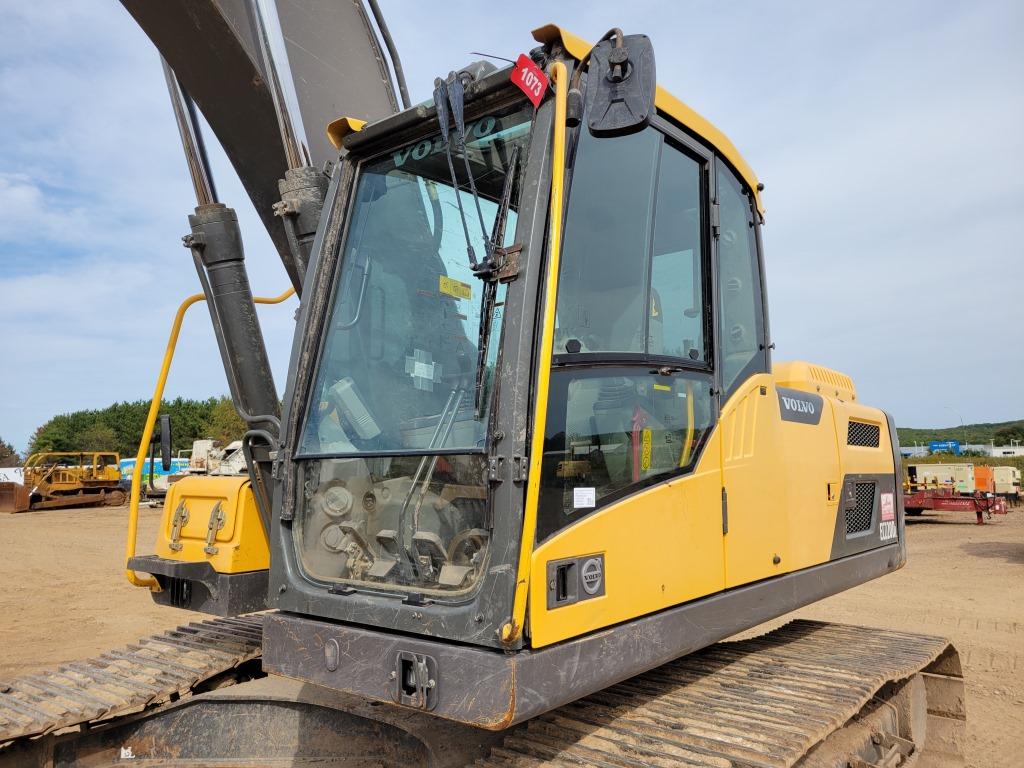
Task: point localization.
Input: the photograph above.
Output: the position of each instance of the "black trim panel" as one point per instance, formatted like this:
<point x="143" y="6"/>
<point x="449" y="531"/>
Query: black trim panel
<point x="495" y="690"/>
<point x="197" y="587"/>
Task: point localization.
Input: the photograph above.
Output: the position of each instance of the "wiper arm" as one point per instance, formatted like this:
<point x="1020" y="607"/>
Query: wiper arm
<point x="441" y="104"/>
<point x="457" y="99"/>
<point x="491" y="282"/>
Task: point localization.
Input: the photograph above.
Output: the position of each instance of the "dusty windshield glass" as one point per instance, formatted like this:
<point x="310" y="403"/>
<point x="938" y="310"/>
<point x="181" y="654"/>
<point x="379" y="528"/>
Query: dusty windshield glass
<point x="398" y="370"/>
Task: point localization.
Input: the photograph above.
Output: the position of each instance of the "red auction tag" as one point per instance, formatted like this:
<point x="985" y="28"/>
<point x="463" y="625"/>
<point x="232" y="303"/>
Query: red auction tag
<point x="530" y="78"/>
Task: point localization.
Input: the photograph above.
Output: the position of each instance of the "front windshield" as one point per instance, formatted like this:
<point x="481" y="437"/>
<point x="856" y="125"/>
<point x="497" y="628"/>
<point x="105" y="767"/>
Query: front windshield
<point x="393" y="469"/>
<point x="398" y="371"/>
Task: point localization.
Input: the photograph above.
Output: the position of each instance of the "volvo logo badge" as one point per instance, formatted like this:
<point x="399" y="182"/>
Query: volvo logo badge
<point x="591" y="575"/>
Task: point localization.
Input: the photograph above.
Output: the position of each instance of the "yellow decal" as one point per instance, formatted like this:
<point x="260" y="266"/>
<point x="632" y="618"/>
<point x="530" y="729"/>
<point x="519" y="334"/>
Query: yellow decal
<point x="663" y="387"/>
<point x="453" y="287"/>
<point x="645" y="450"/>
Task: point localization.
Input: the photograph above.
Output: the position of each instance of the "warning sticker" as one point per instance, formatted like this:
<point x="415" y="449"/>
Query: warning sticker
<point x="452" y="287"/>
<point x="584" y="498"/>
<point x="888" y="507"/>
<point x="645" y="450"/>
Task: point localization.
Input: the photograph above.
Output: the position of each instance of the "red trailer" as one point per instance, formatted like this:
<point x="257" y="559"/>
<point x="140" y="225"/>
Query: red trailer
<point x="947" y="500"/>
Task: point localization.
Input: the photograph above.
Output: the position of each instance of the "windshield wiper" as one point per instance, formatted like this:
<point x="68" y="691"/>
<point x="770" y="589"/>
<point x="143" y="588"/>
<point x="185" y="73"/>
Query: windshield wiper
<point x="457" y="99"/>
<point x="491" y="280"/>
<point x="441" y="104"/>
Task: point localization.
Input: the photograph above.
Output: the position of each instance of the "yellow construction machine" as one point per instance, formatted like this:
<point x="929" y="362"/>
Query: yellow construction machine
<point x="535" y="460"/>
<point x="53" y="480"/>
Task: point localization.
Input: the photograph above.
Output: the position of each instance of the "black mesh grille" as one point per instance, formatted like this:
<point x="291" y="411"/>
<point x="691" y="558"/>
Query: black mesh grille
<point x="858" y="518"/>
<point x="862" y="433"/>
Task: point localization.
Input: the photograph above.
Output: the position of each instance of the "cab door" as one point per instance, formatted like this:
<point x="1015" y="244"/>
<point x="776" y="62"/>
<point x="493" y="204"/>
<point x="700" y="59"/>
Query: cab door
<point x="754" y="520"/>
<point x="630" y="478"/>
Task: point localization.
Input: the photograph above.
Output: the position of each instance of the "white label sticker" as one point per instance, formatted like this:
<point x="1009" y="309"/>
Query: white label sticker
<point x="887" y="530"/>
<point x="888" y="507"/>
<point x="423" y="370"/>
<point x="584" y="498"/>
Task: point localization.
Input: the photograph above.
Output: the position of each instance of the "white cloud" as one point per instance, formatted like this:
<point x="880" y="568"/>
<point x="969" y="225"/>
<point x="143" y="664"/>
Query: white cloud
<point x="887" y="134"/>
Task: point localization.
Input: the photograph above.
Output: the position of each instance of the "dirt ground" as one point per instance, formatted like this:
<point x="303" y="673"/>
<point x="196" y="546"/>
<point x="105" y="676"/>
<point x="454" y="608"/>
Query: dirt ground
<point x="64" y="597"/>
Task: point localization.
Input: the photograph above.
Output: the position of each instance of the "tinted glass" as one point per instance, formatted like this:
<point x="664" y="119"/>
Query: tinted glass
<point x="613" y="430"/>
<point x="630" y="278"/>
<point x="606" y="251"/>
<point x="739" y="284"/>
<point x="677" y="301"/>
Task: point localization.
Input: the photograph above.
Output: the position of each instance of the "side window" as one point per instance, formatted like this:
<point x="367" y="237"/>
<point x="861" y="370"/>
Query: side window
<point x="739" y="285"/>
<point x="677" y="301"/>
<point x="630" y="278"/>
<point x="613" y="430"/>
<point x="606" y="253"/>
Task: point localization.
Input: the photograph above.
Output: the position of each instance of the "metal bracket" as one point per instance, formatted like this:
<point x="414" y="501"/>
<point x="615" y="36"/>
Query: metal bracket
<point x="509" y="269"/>
<point x="496" y="472"/>
<point x="892" y="748"/>
<point x="178" y="522"/>
<point x="716" y="219"/>
<point x="194" y="240"/>
<point x="519" y="468"/>
<point x="217" y="518"/>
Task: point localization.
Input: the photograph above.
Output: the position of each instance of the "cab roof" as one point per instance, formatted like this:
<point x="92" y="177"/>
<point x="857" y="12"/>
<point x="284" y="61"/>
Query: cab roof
<point x="577" y="47"/>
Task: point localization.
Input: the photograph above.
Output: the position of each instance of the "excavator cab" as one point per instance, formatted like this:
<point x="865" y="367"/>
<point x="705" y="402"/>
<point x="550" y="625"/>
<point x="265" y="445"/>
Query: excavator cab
<point x="531" y="413"/>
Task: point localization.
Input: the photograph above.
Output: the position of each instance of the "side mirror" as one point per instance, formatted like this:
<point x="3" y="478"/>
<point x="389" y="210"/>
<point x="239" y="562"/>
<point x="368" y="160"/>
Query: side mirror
<point x="620" y="85"/>
<point x="165" y="442"/>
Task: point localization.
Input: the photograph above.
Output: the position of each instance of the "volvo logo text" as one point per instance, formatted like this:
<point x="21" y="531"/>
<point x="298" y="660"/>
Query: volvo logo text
<point x="798" y="406"/>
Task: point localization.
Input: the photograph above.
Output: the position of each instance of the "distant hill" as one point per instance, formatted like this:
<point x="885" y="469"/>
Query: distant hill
<point x="1001" y="432"/>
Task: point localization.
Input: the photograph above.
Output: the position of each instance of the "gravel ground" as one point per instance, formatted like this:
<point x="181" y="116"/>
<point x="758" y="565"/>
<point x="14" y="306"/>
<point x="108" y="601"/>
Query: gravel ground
<point x="65" y="597"/>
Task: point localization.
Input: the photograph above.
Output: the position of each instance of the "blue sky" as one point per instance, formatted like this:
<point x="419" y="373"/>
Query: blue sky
<point x="888" y="136"/>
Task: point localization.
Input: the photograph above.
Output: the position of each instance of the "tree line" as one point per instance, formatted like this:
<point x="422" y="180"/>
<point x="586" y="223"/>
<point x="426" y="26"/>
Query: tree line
<point x="118" y="427"/>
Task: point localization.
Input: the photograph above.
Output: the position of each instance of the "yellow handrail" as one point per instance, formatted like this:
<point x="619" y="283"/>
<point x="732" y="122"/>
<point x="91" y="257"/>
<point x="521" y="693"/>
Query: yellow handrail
<point x="512" y="630"/>
<point x="684" y="459"/>
<point x="147" y="431"/>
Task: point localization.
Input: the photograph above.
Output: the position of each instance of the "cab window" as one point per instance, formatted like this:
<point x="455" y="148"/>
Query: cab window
<point x="740" y="316"/>
<point x="629" y="403"/>
<point x="630" y="277"/>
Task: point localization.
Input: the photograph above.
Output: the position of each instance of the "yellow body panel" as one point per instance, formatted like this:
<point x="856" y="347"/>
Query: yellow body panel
<point x="577" y="47"/>
<point x="664" y="545"/>
<point x="779" y="476"/>
<point x="239" y="544"/>
<point x="661" y="547"/>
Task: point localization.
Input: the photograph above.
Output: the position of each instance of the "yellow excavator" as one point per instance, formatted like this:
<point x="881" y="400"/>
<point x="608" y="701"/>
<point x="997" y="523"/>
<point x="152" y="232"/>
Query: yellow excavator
<point x="534" y="462"/>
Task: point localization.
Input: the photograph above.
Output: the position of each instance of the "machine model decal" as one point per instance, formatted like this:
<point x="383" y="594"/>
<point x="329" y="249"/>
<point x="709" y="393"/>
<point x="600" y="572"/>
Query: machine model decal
<point x="801" y="407"/>
<point x="887" y="530"/>
<point x="592" y="575"/>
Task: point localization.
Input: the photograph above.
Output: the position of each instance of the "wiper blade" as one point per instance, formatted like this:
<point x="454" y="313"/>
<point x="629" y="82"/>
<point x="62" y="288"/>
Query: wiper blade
<point x="457" y="99"/>
<point x="490" y="292"/>
<point x="441" y="104"/>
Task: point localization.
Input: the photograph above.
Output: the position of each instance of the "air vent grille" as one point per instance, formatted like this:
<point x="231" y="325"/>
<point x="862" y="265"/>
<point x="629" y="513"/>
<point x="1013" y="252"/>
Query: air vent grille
<point x="863" y="434"/>
<point x="858" y="517"/>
